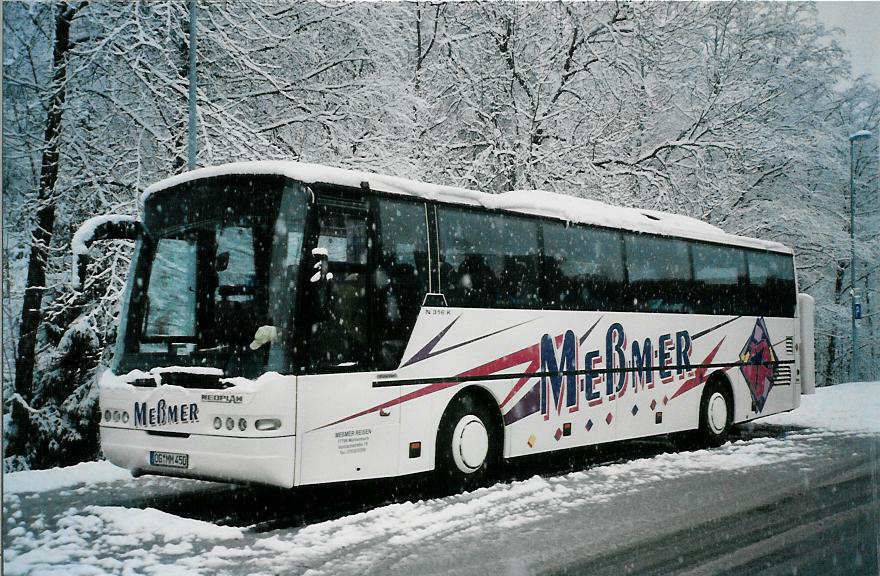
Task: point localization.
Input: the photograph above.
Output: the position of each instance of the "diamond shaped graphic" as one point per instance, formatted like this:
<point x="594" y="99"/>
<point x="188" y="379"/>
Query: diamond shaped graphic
<point x="558" y="434"/>
<point x="653" y="404"/>
<point x="609" y="418"/>
<point x="755" y="356"/>
<point x="665" y="400"/>
<point x="635" y="410"/>
<point x="589" y="425"/>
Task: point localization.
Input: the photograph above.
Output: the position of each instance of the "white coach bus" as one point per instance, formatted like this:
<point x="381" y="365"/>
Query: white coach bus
<point x="291" y="324"/>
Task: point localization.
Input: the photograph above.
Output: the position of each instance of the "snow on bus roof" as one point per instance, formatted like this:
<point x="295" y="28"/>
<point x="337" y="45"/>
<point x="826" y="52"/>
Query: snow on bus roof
<point x="535" y="202"/>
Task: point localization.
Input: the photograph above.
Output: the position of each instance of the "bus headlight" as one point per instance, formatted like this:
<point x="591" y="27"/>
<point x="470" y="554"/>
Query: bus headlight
<point x="242" y="424"/>
<point x="230" y="423"/>
<point x="107" y="415"/>
<point x="218" y="423"/>
<point x="267" y="424"/>
<point x="116" y="416"/>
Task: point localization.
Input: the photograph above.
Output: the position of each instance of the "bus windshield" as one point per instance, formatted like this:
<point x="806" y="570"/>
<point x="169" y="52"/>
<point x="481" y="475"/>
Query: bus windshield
<point x="216" y="277"/>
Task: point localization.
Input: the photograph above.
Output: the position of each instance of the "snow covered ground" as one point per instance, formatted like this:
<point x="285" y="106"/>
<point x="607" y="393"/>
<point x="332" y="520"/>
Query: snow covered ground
<point x="853" y="408"/>
<point x="90" y="539"/>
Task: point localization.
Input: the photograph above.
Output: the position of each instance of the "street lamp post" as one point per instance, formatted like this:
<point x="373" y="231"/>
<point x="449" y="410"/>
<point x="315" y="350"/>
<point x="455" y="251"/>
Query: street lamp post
<point x="860" y="135"/>
<point x="191" y="144"/>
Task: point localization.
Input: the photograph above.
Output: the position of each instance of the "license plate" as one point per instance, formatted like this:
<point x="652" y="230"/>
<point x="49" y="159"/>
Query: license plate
<point x="169" y="459"/>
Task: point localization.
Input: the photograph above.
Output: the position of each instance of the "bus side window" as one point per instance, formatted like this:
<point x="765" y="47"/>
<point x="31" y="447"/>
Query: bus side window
<point x="719" y="279"/>
<point x="786" y="302"/>
<point x="488" y="260"/>
<point x="659" y="274"/>
<point x="771" y="284"/>
<point x="401" y="277"/>
<point x="467" y="276"/>
<point x="583" y="268"/>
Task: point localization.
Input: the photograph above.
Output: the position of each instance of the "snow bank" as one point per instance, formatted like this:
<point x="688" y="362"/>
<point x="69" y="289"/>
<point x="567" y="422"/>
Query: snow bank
<point x="58" y="478"/>
<point x="147" y="523"/>
<point x="90" y="541"/>
<point x="852" y="407"/>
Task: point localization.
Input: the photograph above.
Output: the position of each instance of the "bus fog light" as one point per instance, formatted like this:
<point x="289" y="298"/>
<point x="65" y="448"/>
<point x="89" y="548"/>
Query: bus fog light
<point x="107" y="415"/>
<point x="125" y="417"/>
<point x="267" y="424"/>
<point x="230" y="423"/>
<point x="116" y="416"/>
<point x="218" y="423"/>
<point x="242" y="424"/>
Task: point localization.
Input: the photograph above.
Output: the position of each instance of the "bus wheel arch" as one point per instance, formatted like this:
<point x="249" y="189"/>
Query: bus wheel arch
<point x="470" y="440"/>
<point x="716" y="410"/>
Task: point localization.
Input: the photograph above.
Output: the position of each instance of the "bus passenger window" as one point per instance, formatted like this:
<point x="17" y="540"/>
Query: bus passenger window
<point x="488" y="260"/>
<point x="583" y="268"/>
<point x="658" y="274"/>
<point x="401" y="277"/>
<point x="719" y="278"/>
<point x="771" y="284"/>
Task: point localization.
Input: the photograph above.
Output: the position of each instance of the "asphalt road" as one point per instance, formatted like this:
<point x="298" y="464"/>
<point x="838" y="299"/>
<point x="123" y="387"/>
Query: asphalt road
<point x="816" y="512"/>
<point x="820" y="518"/>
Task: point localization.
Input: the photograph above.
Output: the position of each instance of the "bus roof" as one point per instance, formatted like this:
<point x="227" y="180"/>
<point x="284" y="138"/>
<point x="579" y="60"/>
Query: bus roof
<point x="534" y="202"/>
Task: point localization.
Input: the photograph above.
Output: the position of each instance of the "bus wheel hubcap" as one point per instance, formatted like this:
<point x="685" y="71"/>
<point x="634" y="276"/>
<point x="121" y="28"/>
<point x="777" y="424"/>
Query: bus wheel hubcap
<point x="470" y="444"/>
<point x="717" y="412"/>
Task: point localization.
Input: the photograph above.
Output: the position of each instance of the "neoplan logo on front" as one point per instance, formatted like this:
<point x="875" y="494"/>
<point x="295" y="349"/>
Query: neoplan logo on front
<point x="163" y="414"/>
<point x="223" y="398"/>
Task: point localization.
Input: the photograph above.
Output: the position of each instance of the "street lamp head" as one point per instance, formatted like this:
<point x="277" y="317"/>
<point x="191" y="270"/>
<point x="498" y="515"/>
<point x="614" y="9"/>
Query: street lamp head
<point x="860" y="135"/>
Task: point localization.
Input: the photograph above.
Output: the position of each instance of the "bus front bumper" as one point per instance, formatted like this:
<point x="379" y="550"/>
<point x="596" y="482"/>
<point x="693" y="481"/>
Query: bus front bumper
<point x="267" y="461"/>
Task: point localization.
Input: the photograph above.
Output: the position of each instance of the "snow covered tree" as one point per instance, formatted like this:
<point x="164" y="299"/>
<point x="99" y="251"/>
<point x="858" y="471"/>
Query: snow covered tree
<point x="44" y="225"/>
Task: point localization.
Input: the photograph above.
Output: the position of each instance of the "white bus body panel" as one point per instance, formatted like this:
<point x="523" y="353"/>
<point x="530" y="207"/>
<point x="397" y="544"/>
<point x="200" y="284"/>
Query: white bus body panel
<point x="334" y="444"/>
<point x="265" y="461"/>
<point x="452" y="349"/>
<point x="352" y="426"/>
<point x="235" y="455"/>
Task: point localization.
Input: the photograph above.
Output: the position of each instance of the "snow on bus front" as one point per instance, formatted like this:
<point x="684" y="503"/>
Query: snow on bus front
<point x="238" y="430"/>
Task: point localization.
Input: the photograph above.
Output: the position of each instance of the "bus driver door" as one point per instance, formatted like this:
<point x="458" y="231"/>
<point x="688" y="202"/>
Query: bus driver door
<point x="344" y="435"/>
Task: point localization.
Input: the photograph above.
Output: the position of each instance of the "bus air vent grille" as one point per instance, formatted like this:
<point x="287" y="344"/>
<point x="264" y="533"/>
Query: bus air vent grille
<point x="783" y="375"/>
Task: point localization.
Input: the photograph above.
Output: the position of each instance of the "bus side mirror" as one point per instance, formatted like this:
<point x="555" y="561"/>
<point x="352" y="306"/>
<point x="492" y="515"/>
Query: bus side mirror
<point x="321" y="281"/>
<point x="107" y="227"/>
<point x="222" y="261"/>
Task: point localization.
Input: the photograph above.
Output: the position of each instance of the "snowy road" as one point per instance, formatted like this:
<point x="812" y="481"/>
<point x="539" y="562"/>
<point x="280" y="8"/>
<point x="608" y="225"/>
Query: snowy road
<point x="794" y="492"/>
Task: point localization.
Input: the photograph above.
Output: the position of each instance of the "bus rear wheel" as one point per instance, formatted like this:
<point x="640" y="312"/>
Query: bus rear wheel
<point x="716" y="413"/>
<point x="468" y="445"/>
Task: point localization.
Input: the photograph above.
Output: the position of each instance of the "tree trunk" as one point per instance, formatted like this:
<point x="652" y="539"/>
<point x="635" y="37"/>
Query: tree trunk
<point x="42" y="235"/>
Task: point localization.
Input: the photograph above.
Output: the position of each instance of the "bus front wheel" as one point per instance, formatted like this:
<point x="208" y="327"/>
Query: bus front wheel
<point x="468" y="445"/>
